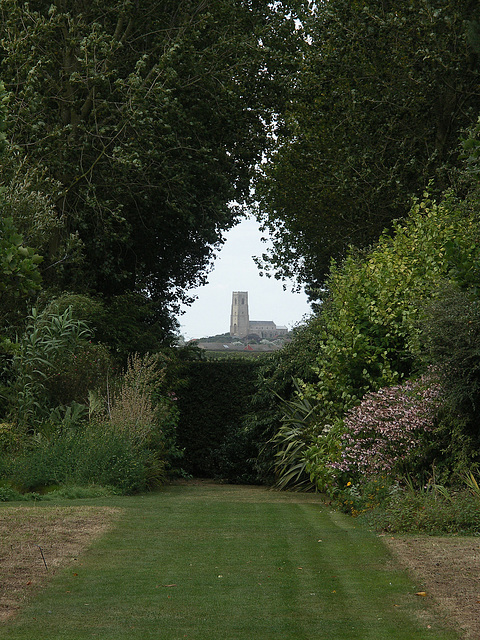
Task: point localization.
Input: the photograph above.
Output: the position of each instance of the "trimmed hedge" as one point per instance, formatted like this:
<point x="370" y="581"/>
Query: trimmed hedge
<point x="213" y="401"/>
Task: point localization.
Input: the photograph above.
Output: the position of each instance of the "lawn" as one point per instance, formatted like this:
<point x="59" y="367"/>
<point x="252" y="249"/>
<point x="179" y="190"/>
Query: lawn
<point x="208" y="562"/>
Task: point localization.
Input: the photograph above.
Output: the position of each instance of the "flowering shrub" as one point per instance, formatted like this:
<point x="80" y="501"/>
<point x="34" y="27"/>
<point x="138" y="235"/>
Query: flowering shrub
<point x="385" y="429"/>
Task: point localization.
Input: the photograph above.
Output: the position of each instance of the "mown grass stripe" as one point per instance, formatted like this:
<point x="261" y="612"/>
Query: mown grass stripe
<point x="230" y="563"/>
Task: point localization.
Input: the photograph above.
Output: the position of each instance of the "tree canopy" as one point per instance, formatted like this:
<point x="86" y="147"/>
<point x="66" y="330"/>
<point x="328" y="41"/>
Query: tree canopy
<point x="385" y="91"/>
<point x="149" y="118"/>
<point x="19" y="273"/>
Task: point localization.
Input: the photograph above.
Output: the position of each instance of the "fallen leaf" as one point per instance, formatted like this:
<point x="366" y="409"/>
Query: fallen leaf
<point x="421" y="593"/>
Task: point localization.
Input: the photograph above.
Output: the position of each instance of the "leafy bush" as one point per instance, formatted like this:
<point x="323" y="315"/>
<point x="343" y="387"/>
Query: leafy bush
<point x="366" y="495"/>
<point x="19" y="273"/>
<point x="428" y="512"/>
<point x="234" y="460"/>
<point x="275" y="378"/>
<point x="145" y="409"/>
<point x="7" y="494"/>
<point x="131" y="408"/>
<point x="125" y="444"/>
<point x="10" y="438"/>
<point x="74" y="374"/>
<point x="48" y="338"/>
<point x="405" y="507"/>
<point x="372" y="306"/>
<point x="74" y="492"/>
<point x="291" y="442"/>
<point x="91" y="454"/>
<point x="367" y="335"/>
<point x="450" y="341"/>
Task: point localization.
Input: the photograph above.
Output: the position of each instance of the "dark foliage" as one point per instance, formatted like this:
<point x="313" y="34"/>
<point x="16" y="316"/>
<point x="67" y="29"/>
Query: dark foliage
<point x="451" y="342"/>
<point x="384" y="93"/>
<point x="213" y="400"/>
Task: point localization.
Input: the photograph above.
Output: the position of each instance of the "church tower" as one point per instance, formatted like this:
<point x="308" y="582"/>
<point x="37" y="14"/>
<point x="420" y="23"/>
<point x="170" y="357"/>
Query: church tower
<point x="239" y="320"/>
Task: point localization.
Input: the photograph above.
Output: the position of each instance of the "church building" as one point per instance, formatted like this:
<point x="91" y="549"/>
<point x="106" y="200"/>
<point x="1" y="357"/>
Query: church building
<point x="240" y="324"/>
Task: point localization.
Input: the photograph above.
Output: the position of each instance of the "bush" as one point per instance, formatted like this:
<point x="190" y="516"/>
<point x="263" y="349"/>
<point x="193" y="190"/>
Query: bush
<point x="10" y="438"/>
<point x="234" y="460"/>
<point x="7" y="494"/>
<point x="144" y="408"/>
<point x="365" y="496"/>
<point x="430" y="513"/>
<point x="304" y="455"/>
<point x="74" y="374"/>
<point x="275" y="378"/>
<point x="425" y="507"/>
<point x="48" y="339"/>
<point x="383" y="433"/>
<point x="125" y="443"/>
<point x="91" y="454"/>
<point x="450" y="341"/>
<point x="132" y="407"/>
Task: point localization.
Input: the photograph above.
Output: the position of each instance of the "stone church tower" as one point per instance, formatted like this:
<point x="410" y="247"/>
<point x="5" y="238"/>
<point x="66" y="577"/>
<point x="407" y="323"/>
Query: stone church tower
<point x="239" y="320"/>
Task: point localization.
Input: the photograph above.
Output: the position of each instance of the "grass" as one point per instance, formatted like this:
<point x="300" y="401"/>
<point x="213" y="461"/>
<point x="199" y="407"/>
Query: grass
<point x="232" y="563"/>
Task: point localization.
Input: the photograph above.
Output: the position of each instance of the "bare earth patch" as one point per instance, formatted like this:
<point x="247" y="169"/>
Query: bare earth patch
<point x="37" y="541"/>
<point x="448" y="568"/>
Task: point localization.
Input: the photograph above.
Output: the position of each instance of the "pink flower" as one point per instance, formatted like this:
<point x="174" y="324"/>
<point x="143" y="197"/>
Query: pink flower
<point x="386" y="427"/>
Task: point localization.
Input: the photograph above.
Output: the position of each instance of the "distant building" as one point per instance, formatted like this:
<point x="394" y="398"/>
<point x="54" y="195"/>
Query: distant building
<point x="239" y="320"/>
<point x="240" y="324"/>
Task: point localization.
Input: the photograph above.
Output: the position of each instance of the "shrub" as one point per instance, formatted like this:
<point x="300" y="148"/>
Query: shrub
<point x="234" y="460"/>
<point x="7" y="494"/>
<point x="74" y="374"/>
<point x="10" y="438"/>
<point x="90" y="454"/>
<point x="132" y="407"/>
<point x="299" y="449"/>
<point x="428" y="512"/>
<point x="364" y="496"/>
<point x="450" y="341"/>
<point x="124" y="443"/>
<point x="383" y="432"/>
<point x="19" y="271"/>
<point x="425" y="507"/>
<point x="48" y="338"/>
<point x="274" y="378"/>
<point x="75" y="492"/>
<point x="145" y="409"/>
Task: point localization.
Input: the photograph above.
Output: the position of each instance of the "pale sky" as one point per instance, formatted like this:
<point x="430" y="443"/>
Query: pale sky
<point x="235" y="270"/>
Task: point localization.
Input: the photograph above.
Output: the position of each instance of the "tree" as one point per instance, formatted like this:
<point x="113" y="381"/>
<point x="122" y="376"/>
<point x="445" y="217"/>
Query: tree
<point x="151" y="117"/>
<point x="19" y="273"/>
<point x="385" y="91"/>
